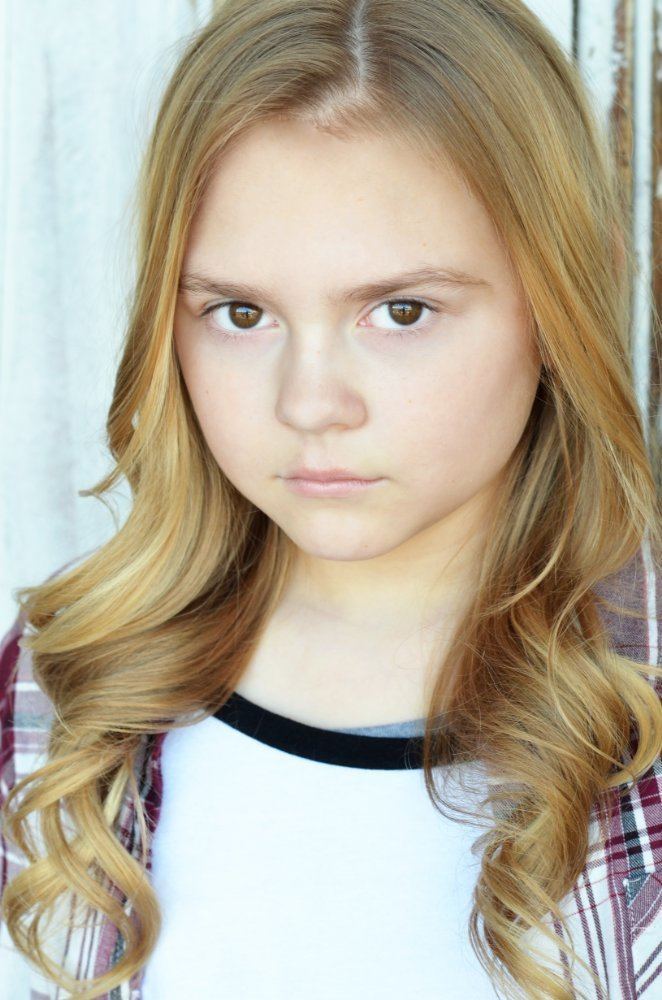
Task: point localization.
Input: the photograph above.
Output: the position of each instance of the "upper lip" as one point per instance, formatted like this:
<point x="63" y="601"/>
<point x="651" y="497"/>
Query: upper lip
<point x="325" y="475"/>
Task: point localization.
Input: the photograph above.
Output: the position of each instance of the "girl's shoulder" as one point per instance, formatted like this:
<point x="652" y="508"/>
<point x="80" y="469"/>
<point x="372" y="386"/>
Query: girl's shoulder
<point x="637" y="586"/>
<point x="26" y="711"/>
<point x="10" y="653"/>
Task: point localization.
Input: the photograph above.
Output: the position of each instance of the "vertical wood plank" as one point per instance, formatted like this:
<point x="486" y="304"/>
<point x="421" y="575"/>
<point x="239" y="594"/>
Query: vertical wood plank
<point x="618" y="52"/>
<point x="605" y="55"/>
<point x="644" y="341"/>
<point x="558" y="16"/>
<point x="621" y="112"/>
<point x="656" y="236"/>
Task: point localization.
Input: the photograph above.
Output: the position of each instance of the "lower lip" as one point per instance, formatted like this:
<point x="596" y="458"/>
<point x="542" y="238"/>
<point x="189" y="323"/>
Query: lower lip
<point x="333" y="488"/>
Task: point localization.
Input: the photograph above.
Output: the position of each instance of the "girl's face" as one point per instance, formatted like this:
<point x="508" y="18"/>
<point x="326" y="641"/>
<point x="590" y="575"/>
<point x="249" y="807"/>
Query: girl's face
<point x="297" y="364"/>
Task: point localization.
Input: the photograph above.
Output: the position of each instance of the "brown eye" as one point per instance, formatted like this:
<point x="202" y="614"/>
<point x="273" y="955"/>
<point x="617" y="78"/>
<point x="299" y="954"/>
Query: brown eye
<point x="243" y="314"/>
<point x="408" y="310"/>
<point x="239" y="316"/>
<point x="405" y="313"/>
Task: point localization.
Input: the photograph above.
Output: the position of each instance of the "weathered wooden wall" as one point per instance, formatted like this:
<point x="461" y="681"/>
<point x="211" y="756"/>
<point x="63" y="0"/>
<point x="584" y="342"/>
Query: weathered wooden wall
<point x="618" y="45"/>
<point x="79" y="83"/>
<point x="655" y="347"/>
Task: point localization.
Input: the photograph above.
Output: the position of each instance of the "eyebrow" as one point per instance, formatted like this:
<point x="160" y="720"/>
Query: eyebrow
<point x="426" y="275"/>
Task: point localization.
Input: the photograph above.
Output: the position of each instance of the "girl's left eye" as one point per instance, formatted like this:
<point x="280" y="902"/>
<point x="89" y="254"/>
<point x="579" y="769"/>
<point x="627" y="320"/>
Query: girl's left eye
<point x="403" y="309"/>
<point x="407" y="309"/>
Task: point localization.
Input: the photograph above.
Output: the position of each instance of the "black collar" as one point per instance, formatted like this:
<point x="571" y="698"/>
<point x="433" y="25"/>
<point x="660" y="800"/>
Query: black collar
<point x="324" y="745"/>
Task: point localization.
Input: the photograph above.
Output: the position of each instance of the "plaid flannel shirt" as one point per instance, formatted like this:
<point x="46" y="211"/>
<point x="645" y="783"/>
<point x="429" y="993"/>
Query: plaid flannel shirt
<point x="614" y="906"/>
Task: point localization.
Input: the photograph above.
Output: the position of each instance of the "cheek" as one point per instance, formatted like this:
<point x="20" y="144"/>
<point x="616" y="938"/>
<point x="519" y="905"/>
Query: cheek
<point x="231" y="422"/>
<point x="463" y="424"/>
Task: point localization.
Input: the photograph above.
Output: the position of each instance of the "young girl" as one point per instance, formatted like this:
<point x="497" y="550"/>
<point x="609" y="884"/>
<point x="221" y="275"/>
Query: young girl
<point x="394" y="529"/>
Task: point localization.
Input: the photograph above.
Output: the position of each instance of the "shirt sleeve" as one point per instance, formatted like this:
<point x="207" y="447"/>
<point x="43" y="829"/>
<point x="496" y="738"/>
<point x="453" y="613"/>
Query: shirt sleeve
<point x="9" y="652"/>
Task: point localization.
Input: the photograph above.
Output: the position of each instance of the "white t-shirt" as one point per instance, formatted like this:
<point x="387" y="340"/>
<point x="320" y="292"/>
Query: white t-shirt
<point x="298" y="863"/>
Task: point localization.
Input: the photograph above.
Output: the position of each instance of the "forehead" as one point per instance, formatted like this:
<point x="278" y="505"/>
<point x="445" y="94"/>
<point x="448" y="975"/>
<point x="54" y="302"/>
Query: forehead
<point x="286" y="197"/>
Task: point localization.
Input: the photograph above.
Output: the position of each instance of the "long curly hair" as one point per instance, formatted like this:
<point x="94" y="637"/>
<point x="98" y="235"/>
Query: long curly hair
<point x="154" y="629"/>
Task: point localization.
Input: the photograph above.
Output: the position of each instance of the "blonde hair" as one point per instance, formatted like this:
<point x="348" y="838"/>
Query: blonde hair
<point x="154" y="629"/>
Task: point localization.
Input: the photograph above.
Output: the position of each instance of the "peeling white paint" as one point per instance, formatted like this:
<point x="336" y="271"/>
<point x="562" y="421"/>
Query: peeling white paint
<point x="642" y="201"/>
<point x="76" y="85"/>
<point x="600" y="56"/>
<point x="597" y="54"/>
<point x="557" y="16"/>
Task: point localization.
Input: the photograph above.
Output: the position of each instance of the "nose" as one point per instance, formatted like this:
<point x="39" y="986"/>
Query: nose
<point x="318" y="389"/>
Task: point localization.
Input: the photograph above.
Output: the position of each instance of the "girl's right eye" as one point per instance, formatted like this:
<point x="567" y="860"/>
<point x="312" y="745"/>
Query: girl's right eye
<point x="240" y="313"/>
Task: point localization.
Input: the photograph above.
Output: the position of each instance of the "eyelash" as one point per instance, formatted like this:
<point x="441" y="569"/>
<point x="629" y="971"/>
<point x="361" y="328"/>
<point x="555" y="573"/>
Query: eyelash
<point x="410" y="331"/>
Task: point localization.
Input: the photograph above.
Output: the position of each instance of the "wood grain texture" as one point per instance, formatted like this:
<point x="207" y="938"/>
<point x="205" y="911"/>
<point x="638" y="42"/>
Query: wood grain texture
<point x="655" y="407"/>
<point x="617" y="48"/>
<point x="622" y="107"/>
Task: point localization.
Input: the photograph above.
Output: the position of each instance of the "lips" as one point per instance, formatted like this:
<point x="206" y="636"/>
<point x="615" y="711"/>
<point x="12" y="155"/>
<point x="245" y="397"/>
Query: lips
<point x="331" y="488"/>
<point x="327" y="475"/>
